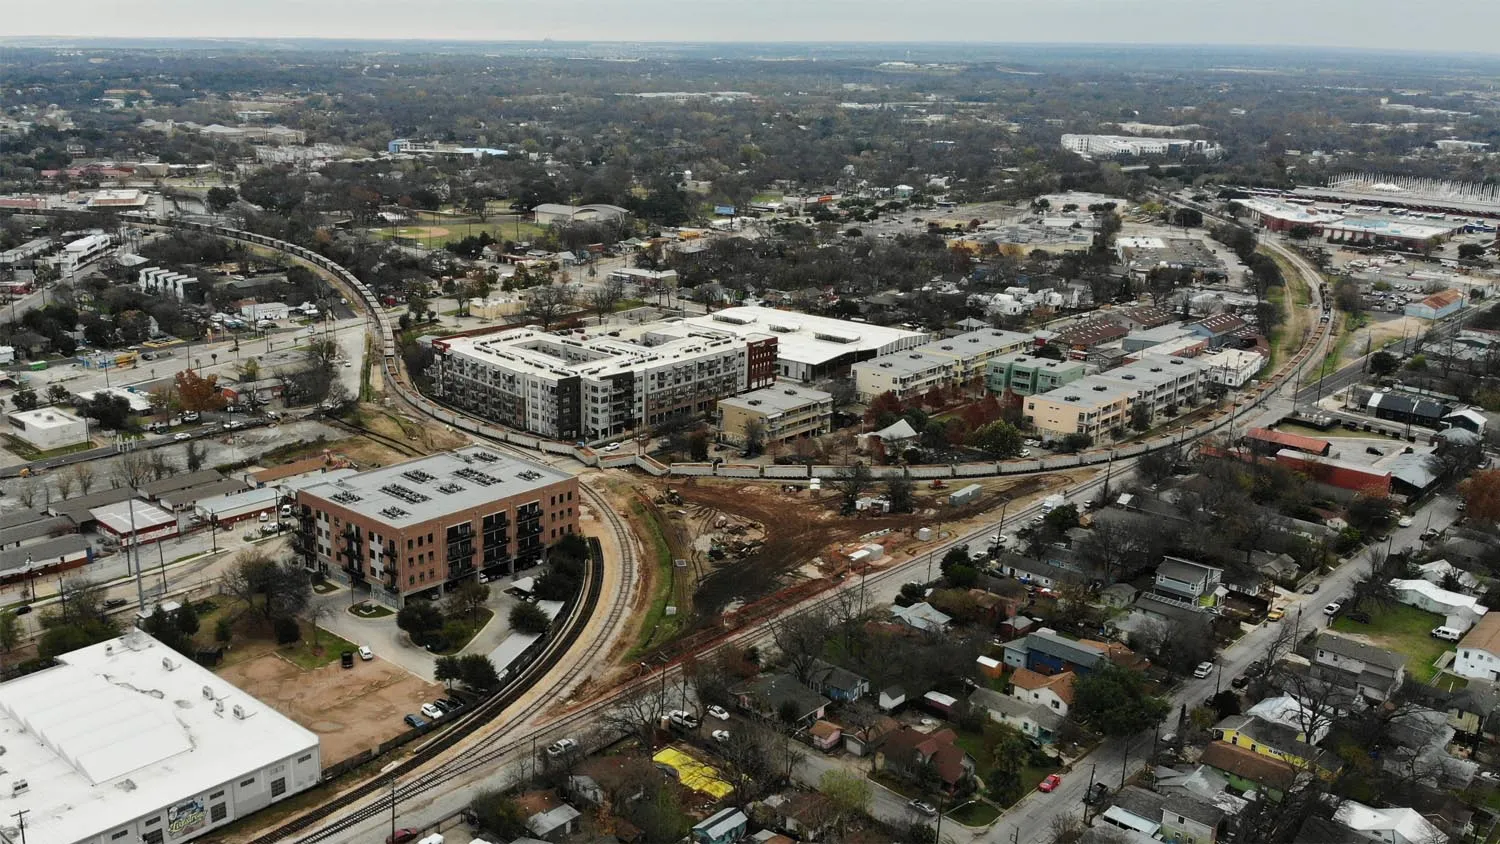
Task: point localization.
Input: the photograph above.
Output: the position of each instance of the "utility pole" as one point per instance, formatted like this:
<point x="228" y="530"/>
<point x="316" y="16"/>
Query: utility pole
<point x="21" y="819"/>
<point x="393" y="808"/>
<point x="135" y="545"/>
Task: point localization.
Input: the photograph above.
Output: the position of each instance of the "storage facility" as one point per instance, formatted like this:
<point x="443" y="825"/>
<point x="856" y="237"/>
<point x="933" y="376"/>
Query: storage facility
<point x="135" y="520"/>
<point x="1337" y="473"/>
<point x="237" y="507"/>
<point x="128" y="741"/>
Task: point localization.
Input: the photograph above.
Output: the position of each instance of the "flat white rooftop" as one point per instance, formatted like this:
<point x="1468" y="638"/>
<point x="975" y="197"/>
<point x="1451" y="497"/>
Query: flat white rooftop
<point x="117" y="516"/>
<point x="560" y="356"/>
<point x="780" y="397"/>
<point x="44" y="418"/>
<point x="809" y="339"/>
<point x="114" y="733"/>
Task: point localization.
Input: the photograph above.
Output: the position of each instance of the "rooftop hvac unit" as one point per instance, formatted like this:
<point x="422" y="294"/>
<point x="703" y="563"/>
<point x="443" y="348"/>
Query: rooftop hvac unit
<point x="168" y="664"/>
<point x="208" y="693"/>
<point x="218" y="706"/>
<point x="239" y="712"/>
<point x="19" y="787"/>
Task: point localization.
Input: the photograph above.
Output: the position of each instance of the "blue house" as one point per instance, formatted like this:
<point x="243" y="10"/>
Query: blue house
<point x="1045" y="652"/>
<point x="722" y="827"/>
<point x="836" y="683"/>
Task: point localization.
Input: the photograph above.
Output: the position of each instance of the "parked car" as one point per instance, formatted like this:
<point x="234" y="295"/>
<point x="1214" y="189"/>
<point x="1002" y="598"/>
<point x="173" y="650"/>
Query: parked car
<point x="1309" y="589"/>
<point x="447" y="704"/>
<point x="922" y="808"/>
<point x="683" y="718"/>
<point x="612" y="447"/>
<point x="346" y="659"/>
<point x="1276" y="615"/>
<point x="1333" y="608"/>
<point x="1404" y="521"/>
<point x="1203" y="670"/>
<point x="560" y="747"/>
<point x="115" y="603"/>
<point x="1360" y="616"/>
<point x="431" y="711"/>
<point x="414" y="722"/>
<point x="721" y="735"/>
<point x="718" y="712"/>
<point x="1240" y="682"/>
<point x="1257" y="668"/>
<point x="401" y="836"/>
<point x="365" y="653"/>
<point x="1049" y="784"/>
<point x="181" y="437"/>
<point x="1447" y="634"/>
<point x="191" y="416"/>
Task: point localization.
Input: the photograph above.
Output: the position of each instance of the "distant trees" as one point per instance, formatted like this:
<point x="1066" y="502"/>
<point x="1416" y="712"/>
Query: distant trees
<point x="198" y="392"/>
<point x="547" y="303"/>
<point x="274" y="590"/>
<point x="529" y="618"/>
<point x="1114" y="701"/>
<point x="1481" y="495"/>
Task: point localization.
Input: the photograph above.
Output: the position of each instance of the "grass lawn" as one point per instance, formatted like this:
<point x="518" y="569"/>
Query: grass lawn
<point x="975" y="813"/>
<point x="1405" y="630"/>
<point x="443" y="232"/>
<point x="481" y="618"/>
<point x="658" y="627"/>
<point x="1450" y="682"/>
<point x="306" y="654"/>
<point x="370" y="609"/>
<point x="323" y="587"/>
<point x="26" y="451"/>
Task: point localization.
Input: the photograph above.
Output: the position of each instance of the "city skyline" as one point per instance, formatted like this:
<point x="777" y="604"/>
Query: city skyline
<point x="1373" y="24"/>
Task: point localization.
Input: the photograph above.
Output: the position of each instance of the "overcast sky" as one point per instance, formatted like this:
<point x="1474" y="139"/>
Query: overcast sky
<point x="1452" y="26"/>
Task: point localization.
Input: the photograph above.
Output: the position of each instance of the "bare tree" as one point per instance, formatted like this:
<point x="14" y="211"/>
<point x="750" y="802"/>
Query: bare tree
<point x="639" y="712"/>
<point x="196" y="452"/>
<point x="83" y="473"/>
<point x="546" y="304"/>
<point x="605" y="296"/>
<point x="800" y="639"/>
<point x="64" y="483"/>
<point x="755" y="436"/>
<point x="132" y="468"/>
<point x="161" y="465"/>
<point x="26" y="492"/>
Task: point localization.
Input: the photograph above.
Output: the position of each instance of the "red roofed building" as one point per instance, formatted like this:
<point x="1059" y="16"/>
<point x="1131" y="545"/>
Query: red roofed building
<point x="1054" y="691"/>
<point x="1338" y="473"/>
<point x="906" y="750"/>
<point x="1438" y="305"/>
<point x="1269" y="441"/>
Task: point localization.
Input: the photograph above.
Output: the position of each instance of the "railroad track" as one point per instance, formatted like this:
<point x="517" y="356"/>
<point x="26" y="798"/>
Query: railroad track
<point x="488" y="749"/>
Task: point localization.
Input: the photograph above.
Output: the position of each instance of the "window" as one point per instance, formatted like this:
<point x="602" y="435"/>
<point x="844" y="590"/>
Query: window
<point x="152" y="837"/>
<point x="118" y="835"/>
<point x="306" y="757"/>
<point x="1181" y="820"/>
<point x="216" y="795"/>
<point x="153" y="821"/>
<point x="278" y="786"/>
<point x="247" y="783"/>
<point x="218" y="812"/>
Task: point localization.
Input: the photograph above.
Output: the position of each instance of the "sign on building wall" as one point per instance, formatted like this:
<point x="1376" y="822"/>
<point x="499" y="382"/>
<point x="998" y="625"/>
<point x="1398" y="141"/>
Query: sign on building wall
<point x="186" y="818"/>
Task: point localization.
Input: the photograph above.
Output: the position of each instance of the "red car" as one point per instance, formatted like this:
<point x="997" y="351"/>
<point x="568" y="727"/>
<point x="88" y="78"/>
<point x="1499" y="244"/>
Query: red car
<point x="401" y="836"/>
<point x="1052" y="781"/>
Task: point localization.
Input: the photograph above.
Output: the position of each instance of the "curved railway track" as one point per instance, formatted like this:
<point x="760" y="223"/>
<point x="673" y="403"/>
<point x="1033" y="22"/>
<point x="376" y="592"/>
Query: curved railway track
<point x="495" y="748"/>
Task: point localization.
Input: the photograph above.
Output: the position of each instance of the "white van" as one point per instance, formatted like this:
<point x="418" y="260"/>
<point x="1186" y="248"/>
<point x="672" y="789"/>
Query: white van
<point x="1447" y="634"/>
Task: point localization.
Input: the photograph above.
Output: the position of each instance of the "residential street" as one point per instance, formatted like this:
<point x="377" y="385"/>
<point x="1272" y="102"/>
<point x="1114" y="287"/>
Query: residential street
<point x="1031" y="820"/>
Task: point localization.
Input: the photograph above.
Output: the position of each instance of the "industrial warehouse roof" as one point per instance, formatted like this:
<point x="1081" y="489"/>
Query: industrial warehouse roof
<point x="179" y="498"/>
<point x="431" y="487"/>
<point x="779" y="398"/>
<point x="156" y="489"/>
<point x="806" y="338"/>
<point x="42" y="554"/>
<point x="78" y="509"/>
<point x="254" y="498"/>
<point x="126" y="517"/>
<point x="128" y="726"/>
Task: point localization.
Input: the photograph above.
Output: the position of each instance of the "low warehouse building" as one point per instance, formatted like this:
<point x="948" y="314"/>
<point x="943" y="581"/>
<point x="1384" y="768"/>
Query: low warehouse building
<point x="135" y="520"/>
<point x="126" y="740"/>
<point x="237" y="507"/>
<point x="47" y="428"/>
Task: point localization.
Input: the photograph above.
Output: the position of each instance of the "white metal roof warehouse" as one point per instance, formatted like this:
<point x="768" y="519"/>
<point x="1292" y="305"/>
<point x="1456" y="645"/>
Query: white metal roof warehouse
<point x="809" y="347"/>
<point x="129" y="741"/>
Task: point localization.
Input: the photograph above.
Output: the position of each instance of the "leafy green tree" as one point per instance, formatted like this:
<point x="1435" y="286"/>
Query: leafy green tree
<point x="186" y="619"/>
<point x="1114" y="701"/>
<point x="499" y="815"/>
<point x="447" y="669"/>
<point x="529" y="618"/>
<point x="420" y="619"/>
<point x="223" y="630"/>
<point x="10" y="630"/>
<point x="850" y="794"/>
<point x="24" y="398"/>
<point x="287" y="630"/>
<point x="478" y="673"/>
<point x="998" y="439"/>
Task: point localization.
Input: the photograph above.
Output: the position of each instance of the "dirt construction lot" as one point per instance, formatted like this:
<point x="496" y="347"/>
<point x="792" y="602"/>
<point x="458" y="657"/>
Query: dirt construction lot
<point x="349" y="709"/>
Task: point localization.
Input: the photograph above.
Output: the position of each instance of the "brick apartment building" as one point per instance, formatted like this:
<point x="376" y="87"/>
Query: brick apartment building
<point x="430" y="524"/>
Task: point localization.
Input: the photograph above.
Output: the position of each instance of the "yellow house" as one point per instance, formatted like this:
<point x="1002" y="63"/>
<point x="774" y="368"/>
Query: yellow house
<point x="1276" y="741"/>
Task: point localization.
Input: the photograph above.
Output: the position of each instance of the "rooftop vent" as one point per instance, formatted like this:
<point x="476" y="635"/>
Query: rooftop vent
<point x="753" y="402"/>
<point x="240" y="713"/>
<point x="208" y="693"/>
<point x="219" y="706"/>
<point x="168" y="664"/>
<point x="19" y="787"/>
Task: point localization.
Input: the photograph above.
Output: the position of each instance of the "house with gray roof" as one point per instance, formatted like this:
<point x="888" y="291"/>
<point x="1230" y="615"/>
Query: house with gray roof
<point x="1037" y="722"/>
<point x="1349" y="663"/>
<point x="836" y="683"/>
<point x="1046" y="652"/>
<point x="1165" y="817"/>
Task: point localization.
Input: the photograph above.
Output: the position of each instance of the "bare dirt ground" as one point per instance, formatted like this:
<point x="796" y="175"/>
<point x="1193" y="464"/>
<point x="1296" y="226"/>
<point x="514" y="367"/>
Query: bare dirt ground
<point x="349" y="709"/>
<point x="773" y="538"/>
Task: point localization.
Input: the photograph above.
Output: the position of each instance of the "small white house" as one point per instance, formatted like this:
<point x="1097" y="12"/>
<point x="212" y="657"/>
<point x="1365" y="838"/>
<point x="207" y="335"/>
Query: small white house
<point x="1433" y="598"/>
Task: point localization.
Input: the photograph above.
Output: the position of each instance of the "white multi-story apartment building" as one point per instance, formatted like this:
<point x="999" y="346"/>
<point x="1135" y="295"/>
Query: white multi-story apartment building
<point x="1160" y="383"/>
<point x="961" y="359"/>
<point x="82" y="252"/>
<point x="1110" y="146"/>
<point x="591" y="388"/>
<point x="810" y="347"/>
